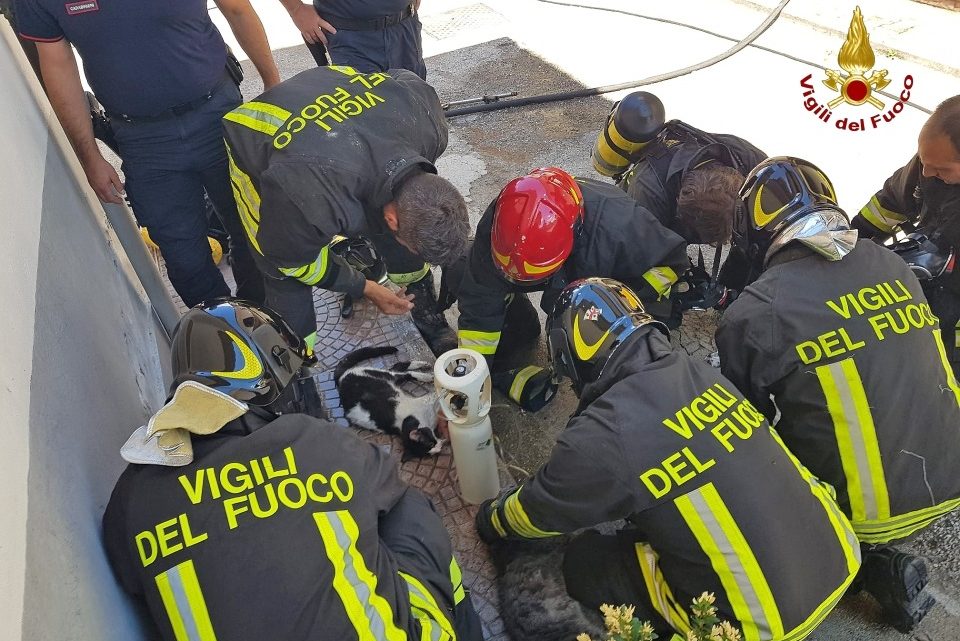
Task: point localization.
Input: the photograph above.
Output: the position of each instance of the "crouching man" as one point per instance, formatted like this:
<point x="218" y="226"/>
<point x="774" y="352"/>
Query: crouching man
<point x="335" y="152"/>
<point x="235" y="522"/>
<point x="836" y="334"/>
<point x="713" y="500"/>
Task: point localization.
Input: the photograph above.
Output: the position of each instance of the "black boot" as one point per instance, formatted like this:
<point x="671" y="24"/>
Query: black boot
<point x="429" y="319"/>
<point x="896" y="580"/>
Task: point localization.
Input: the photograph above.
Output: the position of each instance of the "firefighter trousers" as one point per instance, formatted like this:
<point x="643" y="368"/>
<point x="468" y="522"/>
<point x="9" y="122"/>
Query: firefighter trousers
<point x="415" y="535"/>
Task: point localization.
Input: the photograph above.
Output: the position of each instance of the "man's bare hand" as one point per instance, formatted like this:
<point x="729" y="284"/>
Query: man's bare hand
<point x="310" y="24"/>
<point x="386" y="300"/>
<point x="104" y="179"/>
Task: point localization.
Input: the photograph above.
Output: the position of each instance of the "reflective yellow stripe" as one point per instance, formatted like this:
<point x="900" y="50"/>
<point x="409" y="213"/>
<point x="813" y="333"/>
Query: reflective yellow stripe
<point x="184" y="603"/>
<point x="856" y="440"/>
<point x="409" y="277"/>
<point x="456" y="580"/>
<point x="347" y="71"/>
<point x="826" y="495"/>
<point x="956" y="335"/>
<point x="482" y="342"/>
<point x="259" y="116"/>
<point x="251" y="367"/>
<point x="845" y="535"/>
<point x="660" y="594"/>
<point x="803" y="630"/>
<point x="880" y="217"/>
<point x="252" y="123"/>
<point x="495" y="521"/>
<point x="248" y="201"/>
<point x="951" y="377"/>
<point x="733" y="561"/>
<point x="904" y="524"/>
<point x="279" y="114"/>
<point x="310" y="274"/>
<point x="311" y="341"/>
<point x="520" y="381"/>
<point x="370" y="613"/>
<point x="518" y="520"/>
<point x="661" y="279"/>
<point x="424" y="607"/>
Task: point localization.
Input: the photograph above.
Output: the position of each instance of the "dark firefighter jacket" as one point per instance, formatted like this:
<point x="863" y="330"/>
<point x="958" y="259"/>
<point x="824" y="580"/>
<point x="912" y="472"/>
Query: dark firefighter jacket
<point x="271" y="534"/>
<point x="854" y="359"/>
<point x="909" y="198"/>
<point x="619" y="239"/>
<point x="654" y="180"/>
<point x="670" y="445"/>
<point x="319" y="155"/>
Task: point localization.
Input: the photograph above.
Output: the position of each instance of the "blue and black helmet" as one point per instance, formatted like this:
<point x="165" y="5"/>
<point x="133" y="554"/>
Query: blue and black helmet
<point x="591" y="318"/>
<point x="238" y="348"/>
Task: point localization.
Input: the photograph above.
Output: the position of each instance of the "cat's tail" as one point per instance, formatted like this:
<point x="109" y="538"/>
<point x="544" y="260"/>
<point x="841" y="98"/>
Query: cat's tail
<point x="357" y="356"/>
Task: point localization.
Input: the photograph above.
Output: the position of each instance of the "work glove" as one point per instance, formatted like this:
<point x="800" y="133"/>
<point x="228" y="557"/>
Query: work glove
<point x="530" y="387"/>
<point x="488" y="534"/>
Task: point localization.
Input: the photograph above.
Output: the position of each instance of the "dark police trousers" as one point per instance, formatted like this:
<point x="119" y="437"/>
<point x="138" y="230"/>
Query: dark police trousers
<point x="398" y="46"/>
<point x="168" y="163"/>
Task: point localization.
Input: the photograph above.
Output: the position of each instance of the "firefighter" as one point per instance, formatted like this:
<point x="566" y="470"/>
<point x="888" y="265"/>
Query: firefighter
<point x="925" y="195"/>
<point x="837" y="336"/>
<point x="713" y="500"/>
<point x="333" y="151"/>
<point x="686" y="177"/>
<point x="543" y="231"/>
<point x="238" y="522"/>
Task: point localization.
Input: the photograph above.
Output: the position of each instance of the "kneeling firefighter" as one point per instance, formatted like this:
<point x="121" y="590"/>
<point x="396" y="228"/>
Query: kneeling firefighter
<point x="836" y="336"/>
<point x="335" y="152"/>
<point x="543" y="231"/>
<point x="235" y="521"/>
<point x="686" y="177"/>
<point x="713" y="499"/>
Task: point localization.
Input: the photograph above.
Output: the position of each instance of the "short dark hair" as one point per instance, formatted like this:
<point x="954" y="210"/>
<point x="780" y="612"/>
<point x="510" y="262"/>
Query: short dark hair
<point x="432" y="217"/>
<point x="707" y="201"/>
<point x="946" y="120"/>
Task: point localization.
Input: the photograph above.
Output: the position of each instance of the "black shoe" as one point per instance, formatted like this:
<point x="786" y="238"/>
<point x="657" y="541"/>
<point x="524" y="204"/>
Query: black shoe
<point x="429" y="319"/>
<point x="896" y="580"/>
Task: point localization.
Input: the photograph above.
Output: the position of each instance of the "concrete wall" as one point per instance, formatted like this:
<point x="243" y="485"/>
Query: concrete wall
<point x="79" y="370"/>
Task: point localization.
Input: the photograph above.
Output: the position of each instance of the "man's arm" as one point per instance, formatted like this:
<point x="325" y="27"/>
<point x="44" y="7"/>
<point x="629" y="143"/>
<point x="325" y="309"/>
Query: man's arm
<point x="562" y="496"/>
<point x="62" y="79"/>
<point x="743" y="338"/>
<point x="308" y="21"/>
<point x="893" y="205"/>
<point x="248" y="29"/>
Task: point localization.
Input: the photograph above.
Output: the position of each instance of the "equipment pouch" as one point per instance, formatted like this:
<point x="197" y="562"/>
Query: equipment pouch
<point x="234" y="68"/>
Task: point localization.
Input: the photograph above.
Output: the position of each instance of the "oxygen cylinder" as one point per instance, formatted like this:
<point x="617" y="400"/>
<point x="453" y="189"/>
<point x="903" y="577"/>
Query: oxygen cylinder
<point x="633" y="122"/>
<point x="463" y="387"/>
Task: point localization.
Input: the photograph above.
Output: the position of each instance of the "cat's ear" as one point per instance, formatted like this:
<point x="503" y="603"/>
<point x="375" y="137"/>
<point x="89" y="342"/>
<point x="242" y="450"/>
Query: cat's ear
<point x="409" y="428"/>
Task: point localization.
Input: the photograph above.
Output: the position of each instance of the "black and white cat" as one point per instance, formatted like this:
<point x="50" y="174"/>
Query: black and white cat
<point x="373" y="399"/>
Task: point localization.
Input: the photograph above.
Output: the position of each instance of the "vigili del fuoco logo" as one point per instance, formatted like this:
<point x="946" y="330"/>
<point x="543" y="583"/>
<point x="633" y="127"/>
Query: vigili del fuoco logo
<point x="856" y="85"/>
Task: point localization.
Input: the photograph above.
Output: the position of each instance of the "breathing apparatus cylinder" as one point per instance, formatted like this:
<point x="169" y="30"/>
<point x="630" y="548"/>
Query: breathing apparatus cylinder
<point x="633" y="122"/>
<point x="464" y="389"/>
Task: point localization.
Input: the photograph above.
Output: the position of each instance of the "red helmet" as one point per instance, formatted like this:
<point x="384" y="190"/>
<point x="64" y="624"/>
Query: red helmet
<point x="534" y="224"/>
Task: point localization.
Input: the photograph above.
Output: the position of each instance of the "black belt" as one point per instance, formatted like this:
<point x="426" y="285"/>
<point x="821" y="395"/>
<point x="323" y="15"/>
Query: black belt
<point x="172" y="112"/>
<point x="372" y="24"/>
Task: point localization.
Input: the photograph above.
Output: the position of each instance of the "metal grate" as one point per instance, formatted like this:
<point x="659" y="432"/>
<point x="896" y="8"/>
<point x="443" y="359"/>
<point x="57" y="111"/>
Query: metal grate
<point x="474" y="16"/>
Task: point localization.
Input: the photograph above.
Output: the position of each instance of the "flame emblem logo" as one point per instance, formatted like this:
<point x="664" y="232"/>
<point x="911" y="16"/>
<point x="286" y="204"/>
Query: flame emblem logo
<point x="856" y="58"/>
